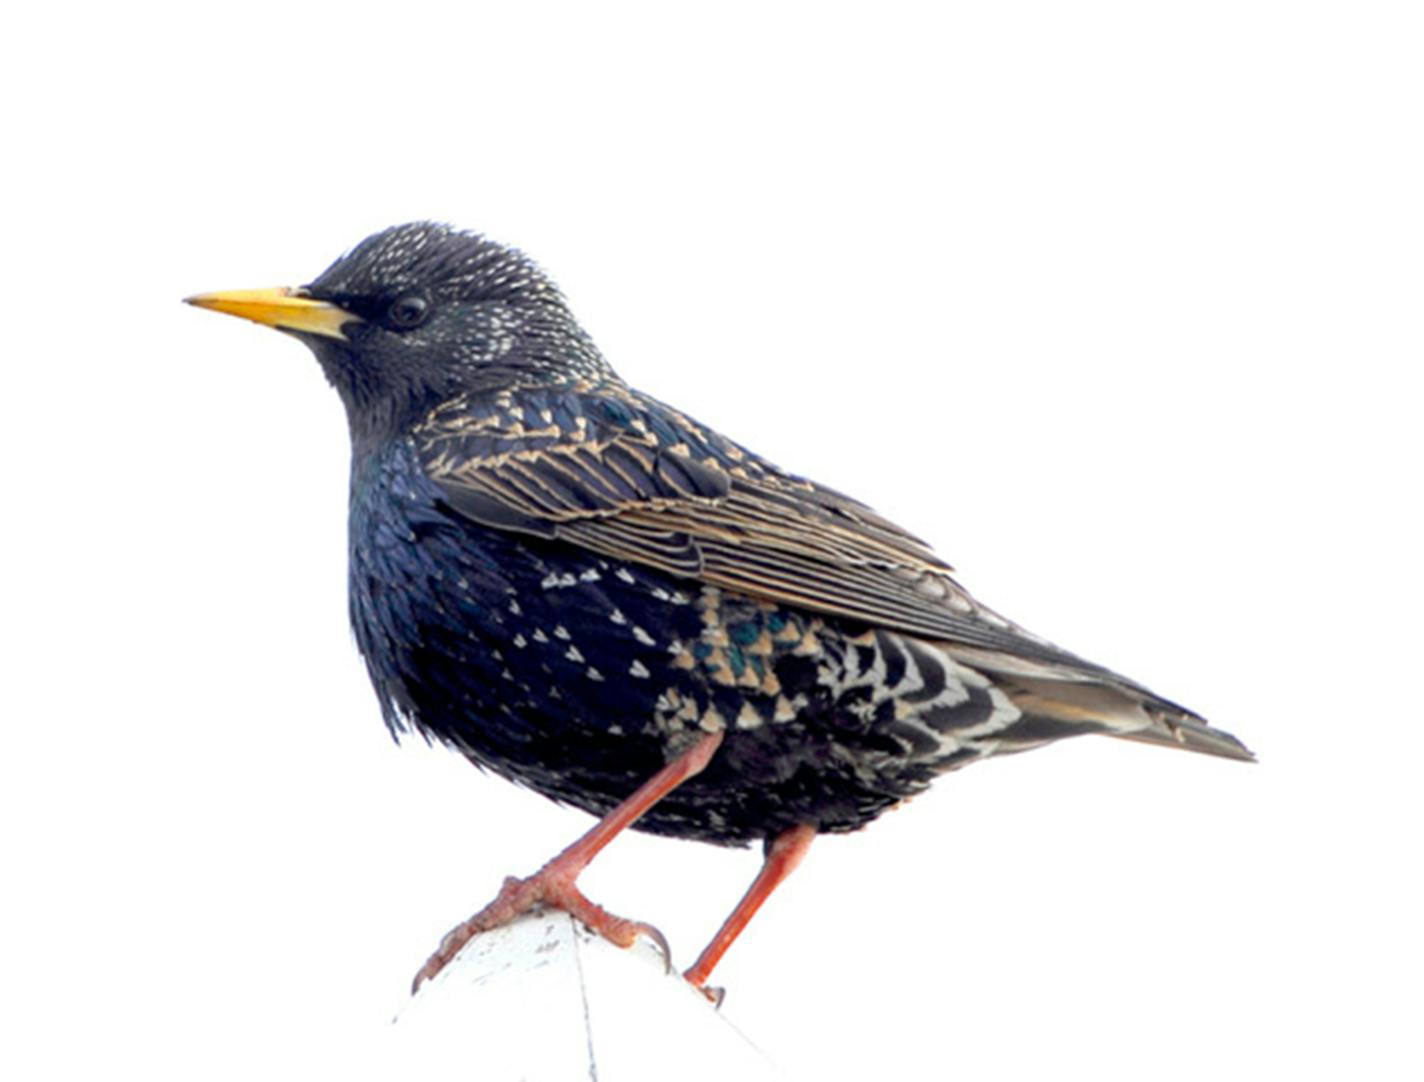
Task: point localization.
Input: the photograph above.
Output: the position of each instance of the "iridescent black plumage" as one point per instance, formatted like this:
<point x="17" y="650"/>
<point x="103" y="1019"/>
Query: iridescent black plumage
<point x="570" y="582"/>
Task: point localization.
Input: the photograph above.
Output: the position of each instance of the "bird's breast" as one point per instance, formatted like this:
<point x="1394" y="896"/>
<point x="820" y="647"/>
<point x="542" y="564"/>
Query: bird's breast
<point x="517" y="650"/>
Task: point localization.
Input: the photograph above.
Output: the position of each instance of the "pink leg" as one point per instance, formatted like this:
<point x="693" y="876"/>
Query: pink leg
<point x="553" y="884"/>
<point x="782" y="857"/>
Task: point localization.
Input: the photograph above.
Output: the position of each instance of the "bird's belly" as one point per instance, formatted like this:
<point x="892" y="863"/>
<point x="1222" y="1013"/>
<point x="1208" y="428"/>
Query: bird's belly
<point x="580" y="677"/>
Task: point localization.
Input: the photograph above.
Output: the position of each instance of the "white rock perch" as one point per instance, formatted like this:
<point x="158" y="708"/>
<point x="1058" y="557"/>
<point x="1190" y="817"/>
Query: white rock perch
<point x="545" y="1000"/>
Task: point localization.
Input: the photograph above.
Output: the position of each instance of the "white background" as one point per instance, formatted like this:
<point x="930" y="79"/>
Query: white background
<point x="1118" y="304"/>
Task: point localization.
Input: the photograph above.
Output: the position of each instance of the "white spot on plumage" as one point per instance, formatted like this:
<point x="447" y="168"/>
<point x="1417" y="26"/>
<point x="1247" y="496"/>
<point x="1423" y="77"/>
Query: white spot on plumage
<point x="643" y="637"/>
<point x="639" y="670"/>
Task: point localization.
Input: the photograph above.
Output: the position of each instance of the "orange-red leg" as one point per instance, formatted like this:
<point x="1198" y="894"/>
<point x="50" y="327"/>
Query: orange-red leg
<point x="553" y="884"/>
<point x="782" y="857"/>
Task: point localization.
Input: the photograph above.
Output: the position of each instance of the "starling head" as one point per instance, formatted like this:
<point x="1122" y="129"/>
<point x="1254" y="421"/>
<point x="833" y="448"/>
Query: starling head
<point x="420" y="312"/>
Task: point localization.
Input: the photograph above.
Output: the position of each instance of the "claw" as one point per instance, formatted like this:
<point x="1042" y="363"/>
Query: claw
<point x="715" y="996"/>
<point x="660" y="943"/>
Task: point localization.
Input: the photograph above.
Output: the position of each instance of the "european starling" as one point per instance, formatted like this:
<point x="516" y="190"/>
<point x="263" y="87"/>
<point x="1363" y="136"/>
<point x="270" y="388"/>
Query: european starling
<point x="588" y="592"/>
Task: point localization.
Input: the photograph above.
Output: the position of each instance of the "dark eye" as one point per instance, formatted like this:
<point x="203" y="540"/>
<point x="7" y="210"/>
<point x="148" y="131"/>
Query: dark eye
<point x="408" y="311"/>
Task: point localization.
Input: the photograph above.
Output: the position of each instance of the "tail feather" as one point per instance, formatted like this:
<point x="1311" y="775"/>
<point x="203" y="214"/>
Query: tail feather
<point x="1193" y="734"/>
<point x="1093" y="699"/>
<point x="1128" y="712"/>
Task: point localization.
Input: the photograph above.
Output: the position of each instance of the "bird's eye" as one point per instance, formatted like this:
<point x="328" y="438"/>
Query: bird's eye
<point x="408" y="311"/>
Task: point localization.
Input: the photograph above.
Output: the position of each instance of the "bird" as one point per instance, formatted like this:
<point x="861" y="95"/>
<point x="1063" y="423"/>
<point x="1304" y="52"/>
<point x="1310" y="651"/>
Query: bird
<point x="592" y="594"/>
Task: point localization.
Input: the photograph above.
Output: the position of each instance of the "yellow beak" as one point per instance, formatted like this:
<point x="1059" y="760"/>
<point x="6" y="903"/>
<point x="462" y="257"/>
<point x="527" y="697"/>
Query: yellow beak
<point x="285" y="309"/>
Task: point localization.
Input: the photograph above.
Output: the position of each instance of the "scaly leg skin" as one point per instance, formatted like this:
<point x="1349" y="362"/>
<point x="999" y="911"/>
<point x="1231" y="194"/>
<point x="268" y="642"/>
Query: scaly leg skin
<point x="553" y="884"/>
<point x="783" y="854"/>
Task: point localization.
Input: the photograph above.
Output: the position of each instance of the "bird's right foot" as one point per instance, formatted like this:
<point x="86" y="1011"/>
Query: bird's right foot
<point x="554" y="883"/>
<point x="552" y="886"/>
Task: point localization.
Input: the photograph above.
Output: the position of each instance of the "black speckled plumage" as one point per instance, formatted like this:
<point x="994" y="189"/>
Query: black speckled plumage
<point x="570" y="582"/>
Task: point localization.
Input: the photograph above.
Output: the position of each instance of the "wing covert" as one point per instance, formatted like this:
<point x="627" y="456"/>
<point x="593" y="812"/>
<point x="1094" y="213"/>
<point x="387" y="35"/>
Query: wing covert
<point x="631" y="479"/>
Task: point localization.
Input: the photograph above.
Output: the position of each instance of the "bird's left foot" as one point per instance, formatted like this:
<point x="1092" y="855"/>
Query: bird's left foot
<point x="783" y="853"/>
<point x="553" y="886"/>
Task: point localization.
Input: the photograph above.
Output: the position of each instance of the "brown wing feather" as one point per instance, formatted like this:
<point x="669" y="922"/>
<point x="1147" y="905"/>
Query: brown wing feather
<point x="703" y="508"/>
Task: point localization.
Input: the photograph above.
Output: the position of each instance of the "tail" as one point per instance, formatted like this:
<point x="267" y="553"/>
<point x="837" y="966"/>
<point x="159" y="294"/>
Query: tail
<point x="1085" y="700"/>
<point x="1127" y="712"/>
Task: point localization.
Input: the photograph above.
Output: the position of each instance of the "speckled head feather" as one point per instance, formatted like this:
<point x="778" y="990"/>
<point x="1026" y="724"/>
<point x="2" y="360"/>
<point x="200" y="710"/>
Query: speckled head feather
<point x="440" y="311"/>
<point x="450" y="264"/>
